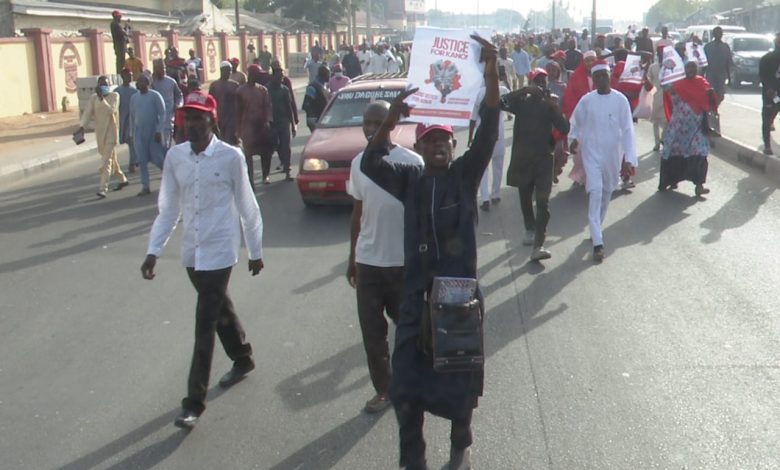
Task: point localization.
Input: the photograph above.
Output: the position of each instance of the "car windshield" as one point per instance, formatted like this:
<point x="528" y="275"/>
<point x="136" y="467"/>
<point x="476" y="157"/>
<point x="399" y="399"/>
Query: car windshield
<point x="752" y="44"/>
<point x="348" y="106"/>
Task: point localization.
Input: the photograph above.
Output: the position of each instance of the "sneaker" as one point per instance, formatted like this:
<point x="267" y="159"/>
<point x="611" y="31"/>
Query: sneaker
<point x="540" y="253"/>
<point x="768" y="151"/>
<point x="288" y="177"/>
<point x="267" y="180"/>
<point x="628" y="184"/>
<point x="460" y="459"/>
<point x="530" y="237"/>
<point x="495" y="201"/>
<point x="144" y="192"/>
<point x="186" y="420"/>
<point x="101" y="194"/>
<point x="598" y="253"/>
<point x="121" y="185"/>
<point x="485" y="206"/>
<point x="377" y="403"/>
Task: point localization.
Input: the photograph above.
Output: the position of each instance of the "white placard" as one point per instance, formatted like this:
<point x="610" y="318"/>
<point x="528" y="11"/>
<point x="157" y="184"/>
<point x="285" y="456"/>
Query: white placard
<point x="445" y="66"/>
<point x="695" y="51"/>
<point x="672" y="67"/>
<point x="632" y="73"/>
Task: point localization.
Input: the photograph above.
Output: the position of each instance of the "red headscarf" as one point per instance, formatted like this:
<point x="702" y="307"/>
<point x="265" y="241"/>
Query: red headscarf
<point x="694" y="91"/>
<point x="577" y="87"/>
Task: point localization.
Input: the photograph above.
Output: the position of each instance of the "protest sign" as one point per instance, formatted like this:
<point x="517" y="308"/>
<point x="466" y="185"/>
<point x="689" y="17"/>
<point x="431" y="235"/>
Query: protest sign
<point x="445" y="67"/>
<point x="695" y="51"/>
<point x="632" y="73"/>
<point x="672" y="67"/>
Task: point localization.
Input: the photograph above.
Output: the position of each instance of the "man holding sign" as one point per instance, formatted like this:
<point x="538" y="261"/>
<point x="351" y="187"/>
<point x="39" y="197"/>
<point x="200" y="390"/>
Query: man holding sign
<point x="439" y="240"/>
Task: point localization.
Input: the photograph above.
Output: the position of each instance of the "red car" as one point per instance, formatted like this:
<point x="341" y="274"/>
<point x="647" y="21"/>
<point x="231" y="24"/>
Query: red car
<point x="338" y="138"/>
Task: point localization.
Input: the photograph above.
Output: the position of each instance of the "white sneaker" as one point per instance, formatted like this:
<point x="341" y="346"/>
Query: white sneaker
<point x="530" y="236"/>
<point x="540" y="253"/>
<point x="628" y="184"/>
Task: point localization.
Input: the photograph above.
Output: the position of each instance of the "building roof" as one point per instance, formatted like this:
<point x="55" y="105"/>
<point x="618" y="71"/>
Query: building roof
<point x="72" y="10"/>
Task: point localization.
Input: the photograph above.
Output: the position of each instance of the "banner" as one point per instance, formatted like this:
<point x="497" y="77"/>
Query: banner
<point x="695" y="51"/>
<point x="672" y="67"/>
<point x="632" y="73"/>
<point x="445" y="66"/>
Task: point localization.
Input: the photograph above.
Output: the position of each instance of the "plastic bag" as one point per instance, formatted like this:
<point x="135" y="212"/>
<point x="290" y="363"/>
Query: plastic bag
<point x="644" y="107"/>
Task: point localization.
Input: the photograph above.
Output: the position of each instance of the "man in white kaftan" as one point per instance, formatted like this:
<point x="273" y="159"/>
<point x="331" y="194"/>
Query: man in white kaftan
<point x="602" y="126"/>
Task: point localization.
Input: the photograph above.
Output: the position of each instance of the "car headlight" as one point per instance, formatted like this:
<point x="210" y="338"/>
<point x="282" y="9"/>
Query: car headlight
<point x="315" y="164"/>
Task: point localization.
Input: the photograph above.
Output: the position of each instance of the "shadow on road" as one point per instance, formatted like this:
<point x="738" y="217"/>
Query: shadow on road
<point x="743" y="206"/>
<point x="324" y="381"/>
<point x="327" y="450"/>
<point x="145" y="458"/>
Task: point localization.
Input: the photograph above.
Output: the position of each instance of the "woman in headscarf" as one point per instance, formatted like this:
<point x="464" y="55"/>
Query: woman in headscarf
<point x="686" y="146"/>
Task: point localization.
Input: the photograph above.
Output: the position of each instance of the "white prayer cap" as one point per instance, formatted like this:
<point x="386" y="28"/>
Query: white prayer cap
<point x="589" y="54"/>
<point x="224" y="64"/>
<point x="600" y="65"/>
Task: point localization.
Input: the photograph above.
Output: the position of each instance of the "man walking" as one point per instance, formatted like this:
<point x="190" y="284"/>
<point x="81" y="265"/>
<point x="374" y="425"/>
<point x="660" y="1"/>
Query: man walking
<point x="531" y="168"/>
<point x="603" y="126"/>
<point x="376" y="257"/>
<point x="265" y="58"/>
<point x="316" y="98"/>
<point x="253" y="118"/>
<point x="147" y="124"/>
<point x="439" y="240"/>
<point x="283" y="119"/>
<point x="172" y="97"/>
<point x="522" y="62"/>
<point x="212" y="209"/>
<point x="119" y="38"/>
<point x="103" y="107"/>
<point x="490" y="193"/>
<point x="720" y="61"/>
<point x="224" y="90"/>
<point x="134" y="64"/>
<point x="769" y="72"/>
<point x="126" y="92"/>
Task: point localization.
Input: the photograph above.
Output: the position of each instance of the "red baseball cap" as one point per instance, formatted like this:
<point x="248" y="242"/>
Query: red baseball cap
<point x="235" y="60"/>
<point x="201" y="101"/>
<point x="558" y="55"/>
<point x="424" y="129"/>
<point x="536" y="72"/>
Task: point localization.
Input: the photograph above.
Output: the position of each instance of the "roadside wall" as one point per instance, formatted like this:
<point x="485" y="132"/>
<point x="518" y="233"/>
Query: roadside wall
<point x="46" y="67"/>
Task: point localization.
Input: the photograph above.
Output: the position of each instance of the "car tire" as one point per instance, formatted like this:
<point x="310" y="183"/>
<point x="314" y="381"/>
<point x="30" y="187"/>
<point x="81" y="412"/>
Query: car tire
<point x="309" y="203"/>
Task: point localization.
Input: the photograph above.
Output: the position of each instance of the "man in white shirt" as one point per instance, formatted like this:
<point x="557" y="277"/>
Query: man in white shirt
<point x="603" y="127"/>
<point x="205" y="182"/>
<point x="364" y="57"/>
<point x="379" y="60"/>
<point x="376" y="257"/>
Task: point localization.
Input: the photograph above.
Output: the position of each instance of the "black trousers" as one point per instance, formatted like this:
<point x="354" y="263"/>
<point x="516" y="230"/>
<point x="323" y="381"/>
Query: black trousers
<point x="284" y="132"/>
<point x="214" y="314"/>
<point x="378" y="291"/>
<point x="537" y="181"/>
<point x="411" y="417"/>
<point x="120" y="59"/>
<point x="768" y="114"/>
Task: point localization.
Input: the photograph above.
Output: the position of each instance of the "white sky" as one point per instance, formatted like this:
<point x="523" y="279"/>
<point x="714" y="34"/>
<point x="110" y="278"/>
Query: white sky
<point x="615" y="9"/>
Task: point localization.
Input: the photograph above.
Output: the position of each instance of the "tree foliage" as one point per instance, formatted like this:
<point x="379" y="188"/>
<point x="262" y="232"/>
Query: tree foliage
<point x="671" y="11"/>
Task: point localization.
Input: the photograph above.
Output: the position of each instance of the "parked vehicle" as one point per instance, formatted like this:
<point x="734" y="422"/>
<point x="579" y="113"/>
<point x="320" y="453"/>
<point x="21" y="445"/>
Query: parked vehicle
<point x="704" y="31"/>
<point x="338" y="138"/>
<point x="747" y="50"/>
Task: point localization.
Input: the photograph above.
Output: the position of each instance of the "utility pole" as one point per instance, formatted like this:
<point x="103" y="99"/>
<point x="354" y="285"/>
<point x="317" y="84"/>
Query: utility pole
<point x="593" y="24"/>
<point x="553" y="15"/>
<point x="350" y="25"/>
<point x="238" y="21"/>
<point x="369" y="33"/>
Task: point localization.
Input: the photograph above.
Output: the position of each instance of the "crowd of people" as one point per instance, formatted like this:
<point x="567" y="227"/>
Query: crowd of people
<point x="415" y="208"/>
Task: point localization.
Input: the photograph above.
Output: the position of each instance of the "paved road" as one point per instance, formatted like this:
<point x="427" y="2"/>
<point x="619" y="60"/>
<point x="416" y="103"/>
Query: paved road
<point x="746" y="96"/>
<point x="665" y="356"/>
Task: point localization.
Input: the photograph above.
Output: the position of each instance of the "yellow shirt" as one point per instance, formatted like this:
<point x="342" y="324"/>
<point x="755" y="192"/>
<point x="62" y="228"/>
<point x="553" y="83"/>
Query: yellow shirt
<point x="136" y="67"/>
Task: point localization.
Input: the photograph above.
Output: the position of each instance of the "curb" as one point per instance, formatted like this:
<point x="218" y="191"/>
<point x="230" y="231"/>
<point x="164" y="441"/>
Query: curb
<point x="17" y="171"/>
<point x="739" y="152"/>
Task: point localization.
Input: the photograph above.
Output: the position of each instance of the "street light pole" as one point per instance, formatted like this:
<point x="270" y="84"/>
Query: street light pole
<point x="368" y="22"/>
<point x="593" y="24"/>
<point x="553" y="15"/>
<point x="238" y="21"/>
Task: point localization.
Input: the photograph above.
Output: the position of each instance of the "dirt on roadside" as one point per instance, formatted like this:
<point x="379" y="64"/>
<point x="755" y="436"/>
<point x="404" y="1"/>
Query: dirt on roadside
<point x="29" y="129"/>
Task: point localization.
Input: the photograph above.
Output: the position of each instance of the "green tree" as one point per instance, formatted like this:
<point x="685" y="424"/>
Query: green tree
<point x="670" y="11"/>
